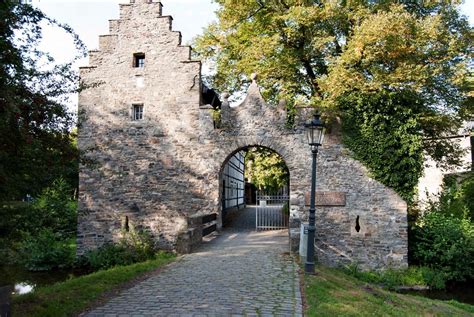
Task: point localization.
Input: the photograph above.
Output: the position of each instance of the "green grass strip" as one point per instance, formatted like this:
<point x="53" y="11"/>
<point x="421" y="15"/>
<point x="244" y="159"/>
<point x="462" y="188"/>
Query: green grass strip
<point x="71" y="297"/>
<point x="334" y="293"/>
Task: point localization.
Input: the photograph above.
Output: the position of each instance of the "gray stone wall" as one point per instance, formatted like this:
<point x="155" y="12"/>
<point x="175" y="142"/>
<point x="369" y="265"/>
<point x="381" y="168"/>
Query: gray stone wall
<point x="165" y="169"/>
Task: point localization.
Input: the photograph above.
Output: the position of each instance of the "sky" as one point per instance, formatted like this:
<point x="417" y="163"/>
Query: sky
<point x="89" y="19"/>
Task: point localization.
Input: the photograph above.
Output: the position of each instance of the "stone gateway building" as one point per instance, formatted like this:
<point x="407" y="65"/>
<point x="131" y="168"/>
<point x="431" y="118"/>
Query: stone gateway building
<point x="152" y="157"/>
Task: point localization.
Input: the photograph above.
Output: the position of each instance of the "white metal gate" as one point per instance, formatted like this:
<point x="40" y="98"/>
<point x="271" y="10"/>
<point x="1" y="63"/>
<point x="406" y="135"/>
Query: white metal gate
<point x="272" y="212"/>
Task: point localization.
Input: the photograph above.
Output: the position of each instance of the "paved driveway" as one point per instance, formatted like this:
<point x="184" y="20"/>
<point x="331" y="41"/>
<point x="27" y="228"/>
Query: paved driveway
<point x="236" y="274"/>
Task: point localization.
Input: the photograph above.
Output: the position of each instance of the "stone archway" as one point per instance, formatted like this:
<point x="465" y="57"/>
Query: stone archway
<point x="162" y="172"/>
<point x="255" y="123"/>
<point x="237" y="193"/>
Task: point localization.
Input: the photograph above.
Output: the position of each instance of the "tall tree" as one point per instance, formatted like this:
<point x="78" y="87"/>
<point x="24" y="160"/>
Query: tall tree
<point x="370" y="62"/>
<point x="35" y="124"/>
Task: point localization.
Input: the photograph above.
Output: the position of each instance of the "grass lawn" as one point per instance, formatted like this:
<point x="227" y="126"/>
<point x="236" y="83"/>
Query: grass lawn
<point x="71" y="297"/>
<point x="334" y="293"/>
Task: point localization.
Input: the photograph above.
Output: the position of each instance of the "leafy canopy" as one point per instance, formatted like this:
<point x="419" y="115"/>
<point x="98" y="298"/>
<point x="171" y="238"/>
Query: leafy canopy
<point x="265" y="169"/>
<point x="404" y="60"/>
<point x="35" y="141"/>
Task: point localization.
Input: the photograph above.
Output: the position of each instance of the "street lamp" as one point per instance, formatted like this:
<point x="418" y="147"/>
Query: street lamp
<point x="315" y="134"/>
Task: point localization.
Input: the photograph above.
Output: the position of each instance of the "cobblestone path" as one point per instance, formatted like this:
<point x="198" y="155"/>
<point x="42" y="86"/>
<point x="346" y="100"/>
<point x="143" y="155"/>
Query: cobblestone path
<point x="236" y="274"/>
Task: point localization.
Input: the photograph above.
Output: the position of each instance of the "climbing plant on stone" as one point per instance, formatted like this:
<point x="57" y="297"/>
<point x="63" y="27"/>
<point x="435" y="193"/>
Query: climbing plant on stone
<point x="327" y="54"/>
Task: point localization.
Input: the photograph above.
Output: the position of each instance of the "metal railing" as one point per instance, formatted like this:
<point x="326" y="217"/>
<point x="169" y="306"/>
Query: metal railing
<point x="272" y="212"/>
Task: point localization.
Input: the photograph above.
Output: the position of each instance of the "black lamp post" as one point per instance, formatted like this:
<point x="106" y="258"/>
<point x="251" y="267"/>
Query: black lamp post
<point x="315" y="135"/>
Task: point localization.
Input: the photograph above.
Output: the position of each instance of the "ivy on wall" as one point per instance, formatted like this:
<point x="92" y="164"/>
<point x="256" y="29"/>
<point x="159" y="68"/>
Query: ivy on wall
<point x="384" y="133"/>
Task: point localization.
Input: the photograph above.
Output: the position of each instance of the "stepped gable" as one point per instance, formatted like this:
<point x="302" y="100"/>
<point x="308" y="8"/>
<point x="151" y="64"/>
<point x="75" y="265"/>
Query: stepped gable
<point x="153" y="155"/>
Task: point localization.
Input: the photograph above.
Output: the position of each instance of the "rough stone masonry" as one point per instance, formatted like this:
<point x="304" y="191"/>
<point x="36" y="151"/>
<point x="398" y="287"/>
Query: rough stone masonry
<point x="151" y="157"/>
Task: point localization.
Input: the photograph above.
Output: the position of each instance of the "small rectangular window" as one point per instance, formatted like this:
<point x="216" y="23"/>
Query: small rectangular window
<point x="139" y="60"/>
<point x="137" y="112"/>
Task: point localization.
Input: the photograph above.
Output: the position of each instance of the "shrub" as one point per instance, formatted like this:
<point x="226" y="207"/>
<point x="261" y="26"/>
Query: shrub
<point x="46" y="251"/>
<point x="456" y="198"/>
<point x="45" y="225"/>
<point x="467" y="189"/>
<point x="390" y="278"/>
<point x="15" y="219"/>
<point x="135" y="246"/>
<point x="445" y="244"/>
<point x="435" y="278"/>
<point x="56" y="209"/>
<point x="109" y="255"/>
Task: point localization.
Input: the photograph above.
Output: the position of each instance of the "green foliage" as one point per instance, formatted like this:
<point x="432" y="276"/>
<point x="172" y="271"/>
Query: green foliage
<point x="442" y="236"/>
<point x="446" y="245"/>
<point x="404" y="64"/>
<point x="456" y="198"/>
<point x="46" y="225"/>
<point x="394" y="278"/>
<point x="56" y="209"/>
<point x="133" y="247"/>
<point x="15" y="218"/>
<point x="46" y="251"/>
<point x="109" y="255"/>
<point x="216" y="117"/>
<point x="35" y="125"/>
<point x="266" y="169"/>
<point x="382" y="131"/>
<point x="467" y="195"/>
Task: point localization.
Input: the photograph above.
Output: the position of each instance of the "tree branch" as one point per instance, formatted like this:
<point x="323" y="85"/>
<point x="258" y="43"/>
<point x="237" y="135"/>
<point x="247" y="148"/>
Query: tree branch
<point x="311" y="74"/>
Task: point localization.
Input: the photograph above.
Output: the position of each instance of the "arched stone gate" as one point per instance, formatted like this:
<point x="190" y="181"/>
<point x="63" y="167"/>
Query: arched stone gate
<point x="151" y="154"/>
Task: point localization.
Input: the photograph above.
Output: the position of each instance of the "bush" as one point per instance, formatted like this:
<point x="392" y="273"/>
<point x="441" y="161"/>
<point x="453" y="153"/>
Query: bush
<point x="56" y="209"/>
<point x="390" y="278"/>
<point x="454" y="200"/>
<point x="457" y="197"/>
<point x="46" y="251"/>
<point x="467" y="190"/>
<point x="134" y="247"/>
<point x="435" y="278"/>
<point x="13" y="215"/>
<point x="445" y="244"/>
<point x="15" y="219"/>
<point x="107" y="256"/>
<point x="45" y="225"/>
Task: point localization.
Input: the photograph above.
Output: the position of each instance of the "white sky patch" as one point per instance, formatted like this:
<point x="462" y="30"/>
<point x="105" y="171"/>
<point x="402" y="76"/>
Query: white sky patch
<point x="89" y="19"/>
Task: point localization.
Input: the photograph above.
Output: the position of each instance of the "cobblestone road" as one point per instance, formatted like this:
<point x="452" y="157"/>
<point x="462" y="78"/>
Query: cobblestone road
<point x="236" y="274"/>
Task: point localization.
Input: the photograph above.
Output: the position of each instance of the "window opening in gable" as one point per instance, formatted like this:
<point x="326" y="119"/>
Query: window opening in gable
<point x="137" y="112"/>
<point x="139" y="60"/>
